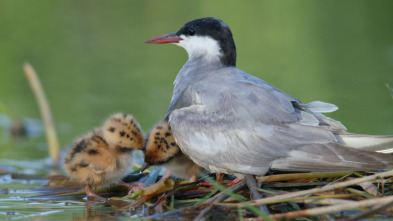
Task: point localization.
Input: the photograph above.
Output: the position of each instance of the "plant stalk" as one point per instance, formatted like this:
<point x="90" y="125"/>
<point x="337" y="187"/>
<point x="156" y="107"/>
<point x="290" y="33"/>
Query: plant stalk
<point x="46" y="115"/>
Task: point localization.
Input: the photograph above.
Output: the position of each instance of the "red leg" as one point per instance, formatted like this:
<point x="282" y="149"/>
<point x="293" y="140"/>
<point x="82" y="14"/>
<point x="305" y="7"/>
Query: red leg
<point x="90" y="193"/>
<point x="121" y="183"/>
<point x="235" y="181"/>
<point x="219" y="177"/>
<point x="135" y="187"/>
<point x="193" y="178"/>
<point x="132" y="188"/>
<point x="166" y="176"/>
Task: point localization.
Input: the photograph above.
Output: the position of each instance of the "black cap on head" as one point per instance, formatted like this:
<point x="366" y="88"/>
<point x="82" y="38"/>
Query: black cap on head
<point x="217" y="30"/>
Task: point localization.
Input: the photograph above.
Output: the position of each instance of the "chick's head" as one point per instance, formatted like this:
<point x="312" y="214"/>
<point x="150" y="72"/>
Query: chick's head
<point x="160" y="145"/>
<point x="122" y="130"/>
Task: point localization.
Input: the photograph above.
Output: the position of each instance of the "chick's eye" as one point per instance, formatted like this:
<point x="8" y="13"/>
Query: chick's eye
<point x="191" y="31"/>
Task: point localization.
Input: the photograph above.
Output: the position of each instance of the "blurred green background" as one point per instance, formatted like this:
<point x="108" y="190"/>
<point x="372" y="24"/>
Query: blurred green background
<point x="92" y="59"/>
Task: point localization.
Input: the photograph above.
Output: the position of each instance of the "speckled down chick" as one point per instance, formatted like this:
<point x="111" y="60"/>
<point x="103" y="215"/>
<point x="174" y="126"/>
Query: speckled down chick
<point x="103" y="156"/>
<point x="161" y="149"/>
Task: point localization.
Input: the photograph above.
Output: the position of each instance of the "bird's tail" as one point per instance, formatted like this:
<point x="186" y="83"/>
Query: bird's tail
<point x="376" y="143"/>
<point x="332" y="157"/>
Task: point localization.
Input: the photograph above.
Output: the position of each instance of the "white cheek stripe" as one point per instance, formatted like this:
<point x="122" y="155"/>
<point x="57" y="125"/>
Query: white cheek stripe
<point x="200" y="46"/>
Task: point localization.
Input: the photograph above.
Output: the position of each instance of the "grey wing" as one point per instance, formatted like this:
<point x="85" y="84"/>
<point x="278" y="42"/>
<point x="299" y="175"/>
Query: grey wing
<point x="242" y="124"/>
<point x="215" y="142"/>
<point x="234" y="122"/>
<point x="178" y="101"/>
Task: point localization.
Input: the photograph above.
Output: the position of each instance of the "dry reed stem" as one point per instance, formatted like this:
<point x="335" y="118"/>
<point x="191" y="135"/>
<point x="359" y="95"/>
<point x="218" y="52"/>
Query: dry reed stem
<point x="50" y="131"/>
<point x="300" y="200"/>
<point x="322" y="189"/>
<point x="328" y="201"/>
<point x="333" y="209"/>
<point x="293" y="195"/>
<point x="294" y="176"/>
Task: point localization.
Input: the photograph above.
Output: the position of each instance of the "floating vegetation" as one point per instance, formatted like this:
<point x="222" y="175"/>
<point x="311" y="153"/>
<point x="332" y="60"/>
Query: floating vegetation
<point x="302" y="196"/>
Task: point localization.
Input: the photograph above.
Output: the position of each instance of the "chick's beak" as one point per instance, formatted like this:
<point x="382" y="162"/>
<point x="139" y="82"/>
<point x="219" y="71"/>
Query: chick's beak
<point x="144" y="167"/>
<point x="166" y="38"/>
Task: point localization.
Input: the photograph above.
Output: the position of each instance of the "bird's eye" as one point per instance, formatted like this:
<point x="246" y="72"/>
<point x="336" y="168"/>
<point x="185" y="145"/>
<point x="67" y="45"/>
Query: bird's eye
<point x="191" y="31"/>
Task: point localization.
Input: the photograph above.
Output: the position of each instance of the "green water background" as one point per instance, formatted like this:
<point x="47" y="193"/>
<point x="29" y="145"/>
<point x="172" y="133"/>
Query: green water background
<point x="92" y="59"/>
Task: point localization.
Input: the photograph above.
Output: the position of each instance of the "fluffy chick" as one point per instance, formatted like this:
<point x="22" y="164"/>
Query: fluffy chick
<point x="103" y="156"/>
<point x="161" y="149"/>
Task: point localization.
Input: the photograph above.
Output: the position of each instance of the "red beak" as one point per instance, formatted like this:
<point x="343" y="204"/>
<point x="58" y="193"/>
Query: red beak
<point x="163" y="39"/>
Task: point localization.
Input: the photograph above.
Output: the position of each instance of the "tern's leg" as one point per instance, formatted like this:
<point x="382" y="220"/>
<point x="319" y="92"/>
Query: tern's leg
<point x="235" y="181"/>
<point x="167" y="174"/>
<point x="122" y="183"/>
<point x="252" y="185"/>
<point x="90" y="193"/>
<point x="193" y="178"/>
<point x="132" y="188"/>
<point x="219" y="177"/>
<point x="135" y="187"/>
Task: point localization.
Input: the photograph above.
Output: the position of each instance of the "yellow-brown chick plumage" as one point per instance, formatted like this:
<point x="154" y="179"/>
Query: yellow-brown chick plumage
<point x="161" y="149"/>
<point x="103" y="156"/>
